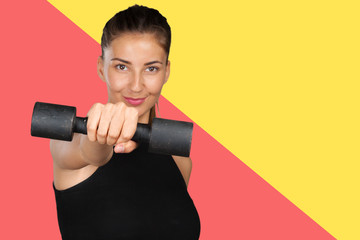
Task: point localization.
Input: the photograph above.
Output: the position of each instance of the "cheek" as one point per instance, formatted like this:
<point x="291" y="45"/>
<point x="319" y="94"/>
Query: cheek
<point x="154" y="85"/>
<point x="115" y="81"/>
<point x="154" y="88"/>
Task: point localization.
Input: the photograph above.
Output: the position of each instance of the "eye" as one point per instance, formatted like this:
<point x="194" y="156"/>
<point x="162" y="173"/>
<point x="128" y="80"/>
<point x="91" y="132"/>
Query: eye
<point x="121" y="67"/>
<point x="152" y="69"/>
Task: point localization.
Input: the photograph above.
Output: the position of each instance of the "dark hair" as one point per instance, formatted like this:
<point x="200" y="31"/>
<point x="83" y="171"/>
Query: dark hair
<point x="137" y="19"/>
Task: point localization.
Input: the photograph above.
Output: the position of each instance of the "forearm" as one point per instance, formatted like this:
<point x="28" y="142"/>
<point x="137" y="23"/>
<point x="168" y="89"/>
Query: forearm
<point x="94" y="153"/>
<point x="107" y="125"/>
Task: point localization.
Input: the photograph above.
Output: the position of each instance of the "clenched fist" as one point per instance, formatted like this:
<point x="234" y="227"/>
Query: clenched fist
<point x="113" y="124"/>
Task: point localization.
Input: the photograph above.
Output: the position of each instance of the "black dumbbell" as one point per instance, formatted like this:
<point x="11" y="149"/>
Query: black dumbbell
<point x="60" y="122"/>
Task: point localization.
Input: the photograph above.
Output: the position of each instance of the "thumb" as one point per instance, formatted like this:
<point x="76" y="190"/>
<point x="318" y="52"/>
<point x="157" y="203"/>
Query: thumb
<point x="125" y="147"/>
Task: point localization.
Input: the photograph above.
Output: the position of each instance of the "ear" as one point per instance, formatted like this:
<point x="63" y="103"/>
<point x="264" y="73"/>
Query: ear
<point x="100" y="68"/>
<point x="167" y="71"/>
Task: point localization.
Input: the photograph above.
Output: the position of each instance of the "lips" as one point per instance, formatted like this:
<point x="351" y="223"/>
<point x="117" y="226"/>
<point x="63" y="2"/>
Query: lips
<point x="135" y="101"/>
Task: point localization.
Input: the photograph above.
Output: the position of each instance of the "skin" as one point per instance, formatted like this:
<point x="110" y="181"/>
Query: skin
<point x="133" y="66"/>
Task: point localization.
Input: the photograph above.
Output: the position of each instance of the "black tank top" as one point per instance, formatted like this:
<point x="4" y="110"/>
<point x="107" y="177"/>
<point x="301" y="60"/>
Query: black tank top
<point x="134" y="196"/>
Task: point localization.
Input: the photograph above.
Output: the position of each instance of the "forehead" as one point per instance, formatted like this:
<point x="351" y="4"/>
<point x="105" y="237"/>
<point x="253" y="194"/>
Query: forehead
<point x="135" y="47"/>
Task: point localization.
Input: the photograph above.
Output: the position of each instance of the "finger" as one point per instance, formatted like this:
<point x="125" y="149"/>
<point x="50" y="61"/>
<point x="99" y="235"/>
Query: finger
<point x="93" y="121"/>
<point x="129" y="126"/>
<point x="104" y="124"/>
<point x="116" y="124"/>
<point x="126" y="147"/>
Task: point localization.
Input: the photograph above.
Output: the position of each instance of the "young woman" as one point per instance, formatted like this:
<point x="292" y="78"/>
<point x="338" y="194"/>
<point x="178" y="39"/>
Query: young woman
<point x="106" y="186"/>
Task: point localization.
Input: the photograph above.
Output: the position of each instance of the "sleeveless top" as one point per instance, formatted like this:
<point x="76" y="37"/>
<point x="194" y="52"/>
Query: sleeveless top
<point x="134" y="196"/>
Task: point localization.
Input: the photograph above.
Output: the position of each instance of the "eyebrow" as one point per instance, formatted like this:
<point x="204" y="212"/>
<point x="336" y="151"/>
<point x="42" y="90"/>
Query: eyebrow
<point x="127" y="62"/>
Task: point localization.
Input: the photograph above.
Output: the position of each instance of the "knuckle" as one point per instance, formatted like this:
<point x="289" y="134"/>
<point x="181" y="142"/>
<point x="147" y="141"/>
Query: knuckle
<point x="131" y="112"/>
<point x="110" y="141"/>
<point x="100" y="139"/>
<point x="108" y="105"/>
<point x="112" y="136"/>
<point x="121" y="140"/>
<point x="98" y="106"/>
<point x="95" y="109"/>
<point x="91" y="138"/>
<point x="126" y="137"/>
<point x="134" y="112"/>
<point x="105" y="110"/>
<point x="101" y="134"/>
<point x="120" y="108"/>
<point x="91" y="130"/>
<point x="120" y="105"/>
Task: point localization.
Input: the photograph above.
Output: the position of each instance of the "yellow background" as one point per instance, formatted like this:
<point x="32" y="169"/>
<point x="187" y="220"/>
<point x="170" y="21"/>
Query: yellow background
<point x="275" y="82"/>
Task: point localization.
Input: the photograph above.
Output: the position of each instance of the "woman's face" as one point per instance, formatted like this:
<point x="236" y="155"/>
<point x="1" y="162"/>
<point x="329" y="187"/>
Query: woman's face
<point x="134" y="68"/>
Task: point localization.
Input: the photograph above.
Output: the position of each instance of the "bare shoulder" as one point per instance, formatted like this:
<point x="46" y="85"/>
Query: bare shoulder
<point x="185" y="165"/>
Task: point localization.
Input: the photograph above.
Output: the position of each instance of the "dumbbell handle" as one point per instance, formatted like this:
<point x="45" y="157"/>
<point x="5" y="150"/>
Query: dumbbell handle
<point x="142" y="134"/>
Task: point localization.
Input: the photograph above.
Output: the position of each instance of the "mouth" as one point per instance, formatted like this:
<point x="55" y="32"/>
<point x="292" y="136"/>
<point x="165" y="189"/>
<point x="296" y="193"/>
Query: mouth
<point x="135" y="101"/>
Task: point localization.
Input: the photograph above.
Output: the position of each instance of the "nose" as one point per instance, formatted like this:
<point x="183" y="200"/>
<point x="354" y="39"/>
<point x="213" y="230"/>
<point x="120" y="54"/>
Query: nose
<point x="136" y="83"/>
